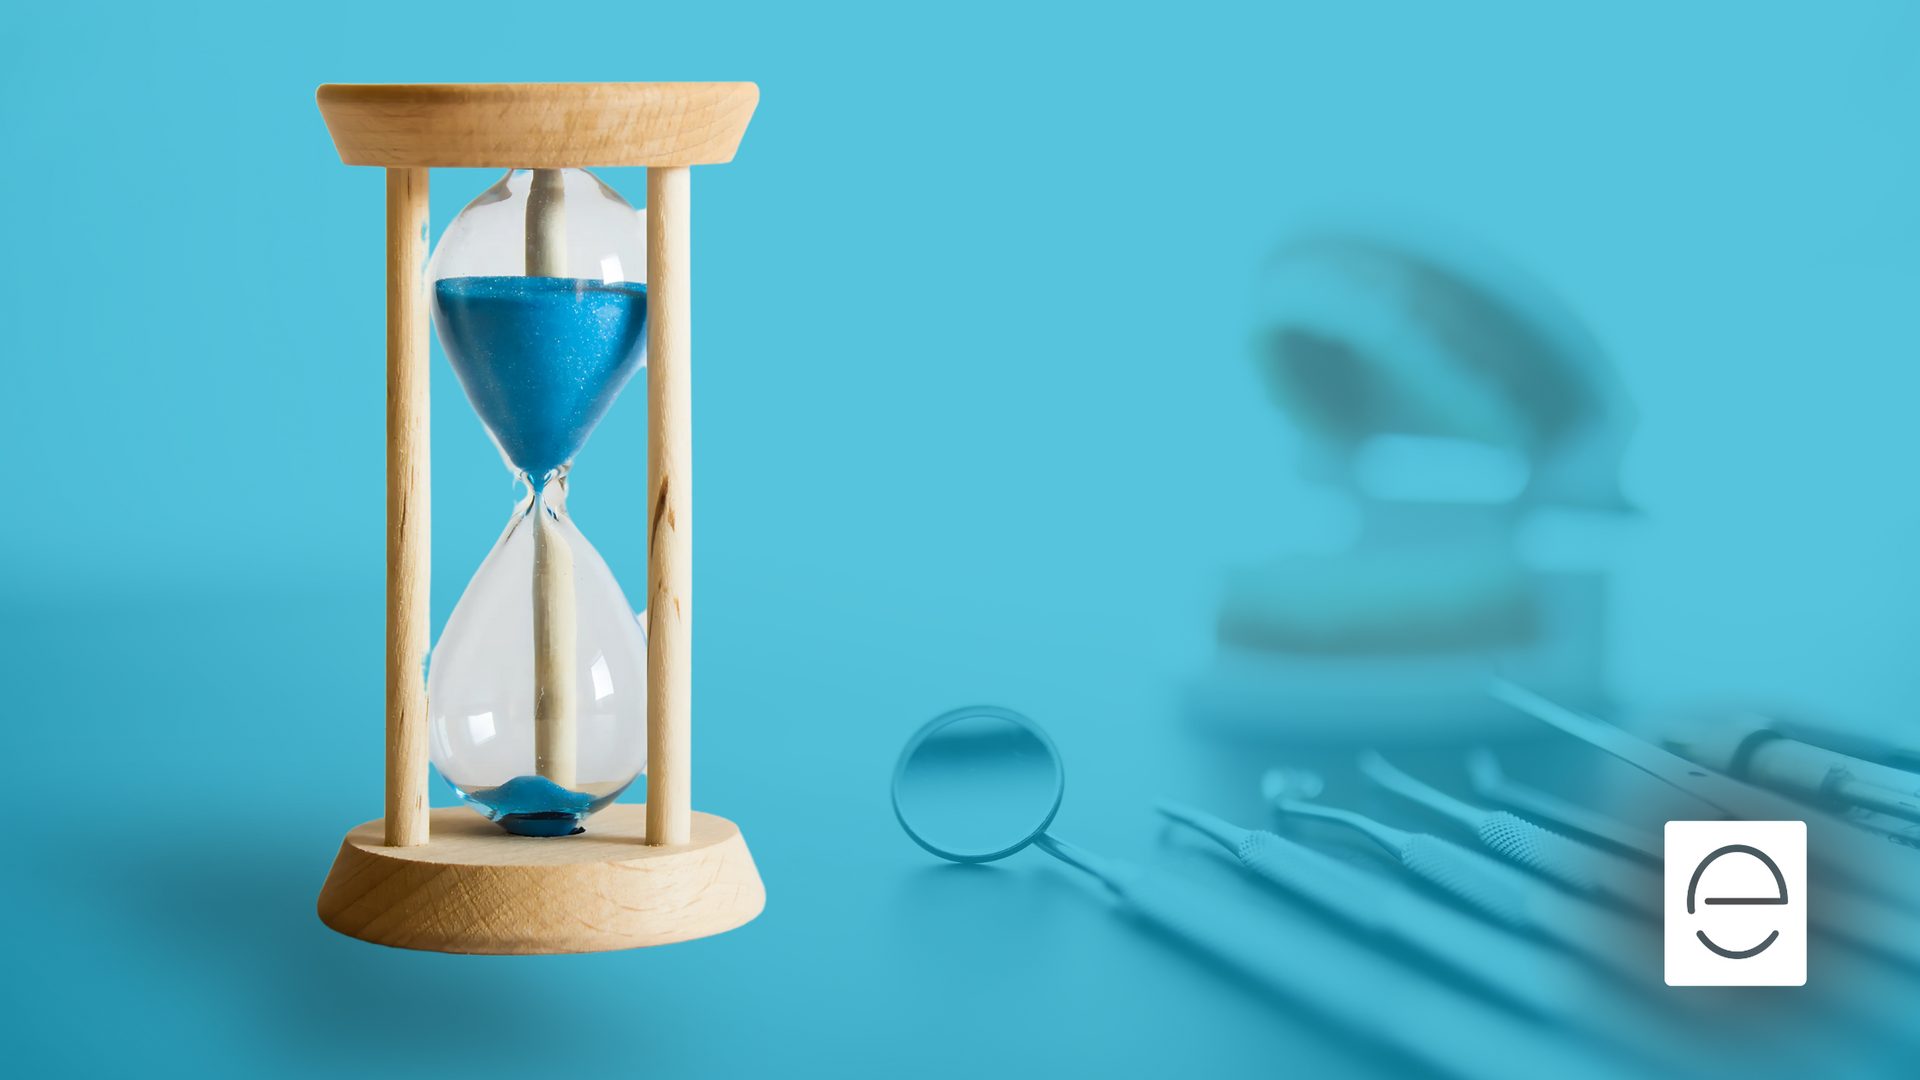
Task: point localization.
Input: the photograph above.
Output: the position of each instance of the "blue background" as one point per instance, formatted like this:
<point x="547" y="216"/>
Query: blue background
<point x="975" y="421"/>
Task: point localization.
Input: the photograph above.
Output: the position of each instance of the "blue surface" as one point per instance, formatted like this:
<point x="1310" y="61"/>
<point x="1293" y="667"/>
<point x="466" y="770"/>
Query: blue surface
<point x="959" y="439"/>
<point x="542" y="359"/>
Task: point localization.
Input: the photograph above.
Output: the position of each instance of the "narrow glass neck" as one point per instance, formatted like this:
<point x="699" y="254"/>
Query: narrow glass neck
<point x="549" y="491"/>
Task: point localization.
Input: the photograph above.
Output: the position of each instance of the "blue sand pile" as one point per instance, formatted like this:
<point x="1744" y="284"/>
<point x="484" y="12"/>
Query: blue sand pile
<point x="536" y="806"/>
<point x="541" y="358"/>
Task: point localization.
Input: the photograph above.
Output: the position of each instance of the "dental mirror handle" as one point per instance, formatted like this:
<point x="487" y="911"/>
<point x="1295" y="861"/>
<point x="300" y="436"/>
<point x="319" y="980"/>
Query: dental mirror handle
<point x="1112" y="873"/>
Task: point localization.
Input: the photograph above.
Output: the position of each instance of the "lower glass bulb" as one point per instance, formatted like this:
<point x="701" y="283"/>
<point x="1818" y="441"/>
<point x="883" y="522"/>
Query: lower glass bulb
<point x="540" y="770"/>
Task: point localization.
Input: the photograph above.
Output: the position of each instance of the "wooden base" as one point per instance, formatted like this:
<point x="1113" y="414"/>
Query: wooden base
<point x="473" y="888"/>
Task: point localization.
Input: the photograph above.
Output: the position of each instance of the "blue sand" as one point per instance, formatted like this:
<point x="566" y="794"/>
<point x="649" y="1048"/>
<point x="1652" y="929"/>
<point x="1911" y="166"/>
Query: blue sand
<point x="536" y="806"/>
<point x="541" y="358"/>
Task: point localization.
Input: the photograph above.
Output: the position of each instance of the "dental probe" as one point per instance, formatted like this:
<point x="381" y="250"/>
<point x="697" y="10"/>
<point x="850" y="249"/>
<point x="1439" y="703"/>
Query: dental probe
<point x="1548" y="854"/>
<point x="1501" y="892"/>
<point x="1536" y="978"/>
<point x="1879" y="916"/>
<point x="1523" y="973"/>
<point x="1491" y="782"/>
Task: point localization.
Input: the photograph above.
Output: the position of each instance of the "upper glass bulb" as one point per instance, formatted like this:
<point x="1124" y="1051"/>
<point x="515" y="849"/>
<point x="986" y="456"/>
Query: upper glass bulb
<point x="538" y="301"/>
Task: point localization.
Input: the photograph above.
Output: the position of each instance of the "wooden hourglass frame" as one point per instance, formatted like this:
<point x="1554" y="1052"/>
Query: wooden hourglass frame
<point x="448" y="879"/>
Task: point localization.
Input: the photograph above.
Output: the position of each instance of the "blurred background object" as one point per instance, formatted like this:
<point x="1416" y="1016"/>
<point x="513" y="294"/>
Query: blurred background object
<point x="1449" y="398"/>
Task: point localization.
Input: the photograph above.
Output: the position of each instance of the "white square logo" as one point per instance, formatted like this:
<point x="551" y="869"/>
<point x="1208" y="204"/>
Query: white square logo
<point x="1736" y="903"/>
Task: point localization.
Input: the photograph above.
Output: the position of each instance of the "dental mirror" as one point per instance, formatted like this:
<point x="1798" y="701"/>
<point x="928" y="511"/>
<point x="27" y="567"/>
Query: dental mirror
<point x="977" y="784"/>
<point x="980" y="783"/>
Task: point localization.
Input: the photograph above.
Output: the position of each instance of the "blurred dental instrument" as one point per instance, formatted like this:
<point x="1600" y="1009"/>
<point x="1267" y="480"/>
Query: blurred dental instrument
<point x="1533" y="977"/>
<point x="982" y="783"/>
<point x="1883" y="922"/>
<point x="1548" y="854"/>
<point x="1860" y="973"/>
<point x="1525" y="974"/>
<point x="1366" y="992"/>
<point x="1351" y="985"/>
<point x="1897" y="830"/>
<point x="1748" y="747"/>
<point x="1501" y="892"/>
<point x="1896" y="754"/>
<point x="1491" y="782"/>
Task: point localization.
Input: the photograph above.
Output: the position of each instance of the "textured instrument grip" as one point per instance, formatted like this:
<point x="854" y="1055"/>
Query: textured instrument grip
<point x="1605" y="937"/>
<point x="1474" y="878"/>
<point x="1543" y="852"/>
<point x="1570" y="862"/>
<point x="1322" y="879"/>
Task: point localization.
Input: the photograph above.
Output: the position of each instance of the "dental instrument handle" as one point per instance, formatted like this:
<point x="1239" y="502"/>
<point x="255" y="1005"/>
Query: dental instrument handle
<point x="1503" y="893"/>
<point x="1572" y="863"/>
<point x="1367" y="993"/>
<point x="1387" y="837"/>
<point x="1523" y="973"/>
<point x="1382" y="772"/>
<point x="1511" y="897"/>
<point x="1111" y="872"/>
<point x="1846" y="788"/>
<point x="1839" y="846"/>
<point x="1325" y="881"/>
<point x="1546" y="853"/>
<point x="1492" y="783"/>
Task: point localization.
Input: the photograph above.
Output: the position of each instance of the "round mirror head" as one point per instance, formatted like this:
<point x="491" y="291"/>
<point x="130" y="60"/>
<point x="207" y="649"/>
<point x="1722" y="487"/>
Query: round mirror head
<point x="977" y="784"/>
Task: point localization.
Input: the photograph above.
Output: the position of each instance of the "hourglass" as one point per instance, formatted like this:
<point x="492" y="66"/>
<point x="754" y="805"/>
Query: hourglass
<point x="546" y="696"/>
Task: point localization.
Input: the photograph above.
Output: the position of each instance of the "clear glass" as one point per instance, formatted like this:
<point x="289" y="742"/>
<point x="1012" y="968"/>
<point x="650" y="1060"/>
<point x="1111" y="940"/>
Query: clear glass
<point x="480" y="686"/>
<point x="536" y="690"/>
<point x="605" y="236"/>
<point x="977" y="784"/>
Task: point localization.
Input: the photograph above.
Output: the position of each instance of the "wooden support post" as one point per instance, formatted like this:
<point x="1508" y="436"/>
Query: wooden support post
<point x="670" y="510"/>
<point x="408" y="507"/>
<point x="556" y="741"/>
<point x="555" y="671"/>
<point x="547" y="224"/>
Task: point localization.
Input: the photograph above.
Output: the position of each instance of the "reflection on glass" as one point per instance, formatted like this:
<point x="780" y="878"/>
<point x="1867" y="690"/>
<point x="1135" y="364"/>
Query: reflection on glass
<point x="977" y="784"/>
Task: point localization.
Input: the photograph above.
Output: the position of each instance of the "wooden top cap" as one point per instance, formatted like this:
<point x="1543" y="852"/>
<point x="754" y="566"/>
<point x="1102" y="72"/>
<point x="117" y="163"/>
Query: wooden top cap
<point x="536" y="125"/>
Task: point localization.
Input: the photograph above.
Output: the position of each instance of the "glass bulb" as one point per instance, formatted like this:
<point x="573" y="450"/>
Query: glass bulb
<point x="536" y="691"/>
<point x="480" y="684"/>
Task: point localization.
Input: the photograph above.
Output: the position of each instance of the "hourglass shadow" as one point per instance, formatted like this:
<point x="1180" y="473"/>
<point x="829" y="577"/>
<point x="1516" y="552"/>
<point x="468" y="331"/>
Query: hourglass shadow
<point x="541" y="359"/>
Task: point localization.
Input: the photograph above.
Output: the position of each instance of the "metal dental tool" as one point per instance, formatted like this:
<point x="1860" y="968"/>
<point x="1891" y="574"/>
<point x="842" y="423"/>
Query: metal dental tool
<point x="1883" y="922"/>
<point x="1507" y="895"/>
<point x="1548" y="854"/>
<point x="1860" y="970"/>
<point x="1525" y="974"/>
<point x="1492" y="783"/>
<point x="1746" y="747"/>
<point x="980" y="784"/>
<point x="1533" y="977"/>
